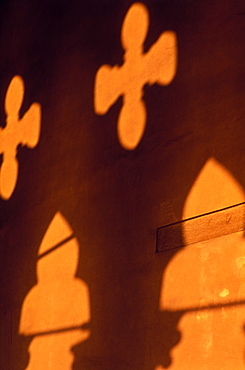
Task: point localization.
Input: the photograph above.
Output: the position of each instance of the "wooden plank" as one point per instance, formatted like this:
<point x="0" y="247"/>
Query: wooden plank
<point x="204" y="227"/>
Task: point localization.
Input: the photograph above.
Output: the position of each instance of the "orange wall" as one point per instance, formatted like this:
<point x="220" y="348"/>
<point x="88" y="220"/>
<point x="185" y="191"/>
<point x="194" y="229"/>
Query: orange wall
<point x="137" y="124"/>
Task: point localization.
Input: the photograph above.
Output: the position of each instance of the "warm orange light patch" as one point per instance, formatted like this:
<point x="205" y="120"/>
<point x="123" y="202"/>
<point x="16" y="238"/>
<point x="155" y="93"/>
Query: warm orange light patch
<point x="215" y="188"/>
<point x="24" y="131"/>
<point x="158" y="65"/>
<point x="209" y="274"/>
<point x="52" y="352"/>
<point x="57" y="307"/>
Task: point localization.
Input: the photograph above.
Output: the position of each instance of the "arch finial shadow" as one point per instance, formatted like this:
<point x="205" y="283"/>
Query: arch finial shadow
<point x="56" y="311"/>
<point x="204" y="282"/>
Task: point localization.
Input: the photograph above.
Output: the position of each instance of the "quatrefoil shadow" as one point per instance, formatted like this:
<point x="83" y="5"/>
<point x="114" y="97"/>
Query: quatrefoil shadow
<point x="24" y="131"/>
<point x="158" y="65"/>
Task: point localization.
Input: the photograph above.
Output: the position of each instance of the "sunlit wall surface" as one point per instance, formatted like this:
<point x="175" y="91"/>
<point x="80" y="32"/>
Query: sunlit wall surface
<point x="55" y="309"/>
<point x="122" y="185"/>
<point x="158" y="65"/>
<point x="206" y="280"/>
<point x="24" y="131"/>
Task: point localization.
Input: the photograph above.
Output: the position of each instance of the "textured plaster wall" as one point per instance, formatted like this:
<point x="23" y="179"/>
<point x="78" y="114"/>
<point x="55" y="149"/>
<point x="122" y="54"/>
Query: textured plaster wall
<point x="128" y="305"/>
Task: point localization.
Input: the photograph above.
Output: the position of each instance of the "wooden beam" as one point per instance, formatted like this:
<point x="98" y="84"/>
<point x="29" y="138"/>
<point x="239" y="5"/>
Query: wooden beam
<point x="200" y="228"/>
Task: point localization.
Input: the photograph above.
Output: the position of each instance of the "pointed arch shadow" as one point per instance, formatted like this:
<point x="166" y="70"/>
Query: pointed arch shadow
<point x="214" y="208"/>
<point x="56" y="312"/>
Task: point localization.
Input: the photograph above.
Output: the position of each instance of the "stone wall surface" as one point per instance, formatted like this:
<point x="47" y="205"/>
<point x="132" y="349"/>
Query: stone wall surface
<point x="117" y="119"/>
